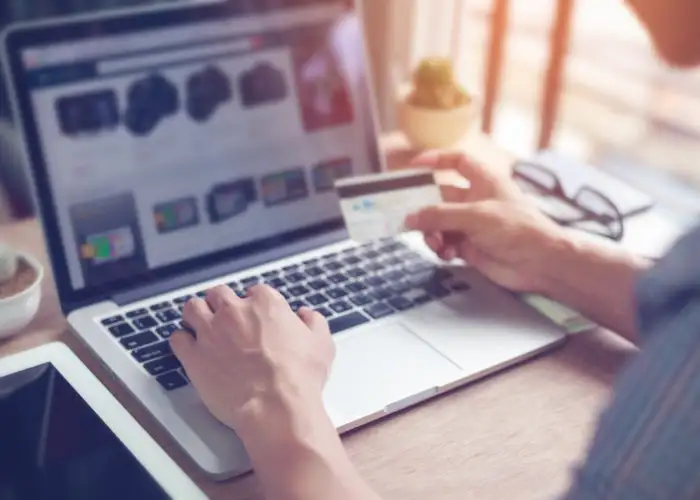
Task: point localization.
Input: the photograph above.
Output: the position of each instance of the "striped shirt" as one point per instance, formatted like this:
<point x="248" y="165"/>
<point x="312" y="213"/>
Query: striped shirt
<point x="647" y="445"/>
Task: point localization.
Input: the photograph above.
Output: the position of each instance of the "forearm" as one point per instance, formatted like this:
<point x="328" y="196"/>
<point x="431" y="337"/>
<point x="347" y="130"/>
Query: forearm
<point x="303" y="458"/>
<point x="596" y="280"/>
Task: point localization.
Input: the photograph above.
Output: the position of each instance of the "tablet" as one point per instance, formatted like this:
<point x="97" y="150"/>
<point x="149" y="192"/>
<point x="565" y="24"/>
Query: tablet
<point x="64" y="436"/>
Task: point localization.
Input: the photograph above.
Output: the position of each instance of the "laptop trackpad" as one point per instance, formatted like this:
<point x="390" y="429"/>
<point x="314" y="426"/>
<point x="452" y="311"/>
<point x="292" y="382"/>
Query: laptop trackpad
<point x="383" y="366"/>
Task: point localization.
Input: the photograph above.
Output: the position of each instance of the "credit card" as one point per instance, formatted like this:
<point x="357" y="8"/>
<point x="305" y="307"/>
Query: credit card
<point x="376" y="206"/>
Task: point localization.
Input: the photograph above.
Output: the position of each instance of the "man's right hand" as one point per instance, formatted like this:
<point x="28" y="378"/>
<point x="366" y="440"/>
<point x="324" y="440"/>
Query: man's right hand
<point x="491" y="224"/>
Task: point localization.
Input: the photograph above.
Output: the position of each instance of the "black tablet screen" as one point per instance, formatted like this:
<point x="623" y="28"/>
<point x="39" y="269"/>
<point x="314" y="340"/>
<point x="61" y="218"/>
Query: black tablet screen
<point x="53" y="446"/>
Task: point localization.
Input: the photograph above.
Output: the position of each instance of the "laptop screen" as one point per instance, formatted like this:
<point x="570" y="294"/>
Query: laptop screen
<point x="206" y="139"/>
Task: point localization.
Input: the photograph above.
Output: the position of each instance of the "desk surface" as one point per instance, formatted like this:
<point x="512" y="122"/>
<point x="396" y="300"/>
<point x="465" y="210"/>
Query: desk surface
<point x="515" y="435"/>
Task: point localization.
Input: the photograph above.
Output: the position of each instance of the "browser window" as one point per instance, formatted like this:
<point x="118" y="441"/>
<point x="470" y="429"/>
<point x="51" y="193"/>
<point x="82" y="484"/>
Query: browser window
<point x="168" y="145"/>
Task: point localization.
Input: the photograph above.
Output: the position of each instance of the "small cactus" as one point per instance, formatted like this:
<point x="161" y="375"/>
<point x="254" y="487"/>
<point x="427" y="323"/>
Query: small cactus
<point x="435" y="87"/>
<point x="9" y="262"/>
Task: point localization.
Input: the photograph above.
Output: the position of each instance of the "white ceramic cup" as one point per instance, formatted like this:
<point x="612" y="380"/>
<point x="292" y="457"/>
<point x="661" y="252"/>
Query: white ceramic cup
<point x="18" y="311"/>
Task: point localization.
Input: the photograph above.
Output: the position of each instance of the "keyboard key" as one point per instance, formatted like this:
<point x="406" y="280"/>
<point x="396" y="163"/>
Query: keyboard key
<point x="172" y="380"/>
<point x="250" y="281"/>
<point x="317" y="299"/>
<point x="381" y="293"/>
<point x="314" y="271"/>
<point x="167" y="316"/>
<point x="270" y="274"/>
<point x="349" y="250"/>
<point x="297" y="304"/>
<point x="333" y="265"/>
<point x="277" y="283"/>
<point x="330" y="256"/>
<point x="371" y="255"/>
<point x="460" y="286"/>
<point x="298" y="291"/>
<point x="318" y="284"/>
<point x="400" y="287"/>
<point x="295" y="277"/>
<point x="284" y="294"/>
<point x="352" y="260"/>
<point x="291" y="268"/>
<point x="374" y="267"/>
<point x="121" y="330"/>
<point x="393" y="275"/>
<point x="336" y="293"/>
<point x="361" y="300"/>
<point x="401" y="303"/>
<point x="152" y="352"/>
<point x="379" y="310"/>
<point x="356" y="272"/>
<point x="327" y="313"/>
<point x="202" y="294"/>
<point x="162" y="365"/>
<point x="342" y="323"/>
<point x="341" y="307"/>
<point x="310" y="262"/>
<point x="160" y="306"/>
<point x="419" y="267"/>
<point x="145" y="322"/>
<point x="113" y="320"/>
<point x="233" y="285"/>
<point x="138" y="340"/>
<point x="356" y="287"/>
<point x="393" y="247"/>
<point x="437" y="290"/>
<point x="393" y="261"/>
<point x="338" y="278"/>
<point x="375" y="281"/>
<point x="182" y="300"/>
<point x="135" y="313"/>
<point x="167" y="330"/>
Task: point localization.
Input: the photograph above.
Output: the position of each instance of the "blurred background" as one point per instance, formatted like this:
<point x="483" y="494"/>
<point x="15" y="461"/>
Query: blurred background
<point x="575" y="75"/>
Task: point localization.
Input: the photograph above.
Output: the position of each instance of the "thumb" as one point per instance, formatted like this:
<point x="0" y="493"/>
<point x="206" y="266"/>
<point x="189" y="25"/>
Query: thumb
<point x="184" y="346"/>
<point x="454" y="217"/>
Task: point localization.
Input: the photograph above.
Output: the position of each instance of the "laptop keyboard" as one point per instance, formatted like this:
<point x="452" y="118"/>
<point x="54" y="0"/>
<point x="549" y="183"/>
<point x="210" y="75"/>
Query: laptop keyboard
<point x="351" y="288"/>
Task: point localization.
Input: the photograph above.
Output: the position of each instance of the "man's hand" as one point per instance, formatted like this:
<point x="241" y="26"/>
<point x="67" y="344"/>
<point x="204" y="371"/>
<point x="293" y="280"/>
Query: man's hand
<point x="261" y="370"/>
<point x="253" y="356"/>
<point x="491" y="224"/>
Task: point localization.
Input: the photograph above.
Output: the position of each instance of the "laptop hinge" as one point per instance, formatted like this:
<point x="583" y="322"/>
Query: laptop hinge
<point x="227" y="268"/>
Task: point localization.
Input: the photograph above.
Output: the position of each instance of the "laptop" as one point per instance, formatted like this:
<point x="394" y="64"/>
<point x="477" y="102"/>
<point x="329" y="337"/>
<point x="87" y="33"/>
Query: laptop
<point x="176" y="149"/>
<point x="59" y="426"/>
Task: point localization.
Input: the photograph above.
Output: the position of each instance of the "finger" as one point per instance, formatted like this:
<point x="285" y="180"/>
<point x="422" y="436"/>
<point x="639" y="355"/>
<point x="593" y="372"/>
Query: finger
<point x="184" y="346"/>
<point x="314" y="320"/>
<point x="434" y="241"/>
<point x="197" y="315"/>
<point x="450" y="217"/>
<point x="454" y="194"/>
<point x="221" y="296"/>
<point x="448" y="253"/>
<point x="439" y="159"/>
<point x="262" y="291"/>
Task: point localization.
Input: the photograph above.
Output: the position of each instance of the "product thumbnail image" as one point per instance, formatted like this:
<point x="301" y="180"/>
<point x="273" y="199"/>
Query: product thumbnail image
<point x="150" y="100"/>
<point x="88" y="113"/>
<point x="284" y="187"/>
<point x="207" y="90"/>
<point x="227" y="200"/>
<point x="261" y="85"/>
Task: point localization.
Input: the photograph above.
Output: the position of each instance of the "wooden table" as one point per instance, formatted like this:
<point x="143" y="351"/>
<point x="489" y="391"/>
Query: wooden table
<point x="515" y="435"/>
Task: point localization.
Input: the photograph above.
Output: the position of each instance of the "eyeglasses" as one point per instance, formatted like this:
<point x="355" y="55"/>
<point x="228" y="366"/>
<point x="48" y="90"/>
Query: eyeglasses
<point x="588" y="210"/>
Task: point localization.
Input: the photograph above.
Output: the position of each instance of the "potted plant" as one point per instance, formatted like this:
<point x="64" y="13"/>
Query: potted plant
<point x="435" y="111"/>
<point x="20" y="290"/>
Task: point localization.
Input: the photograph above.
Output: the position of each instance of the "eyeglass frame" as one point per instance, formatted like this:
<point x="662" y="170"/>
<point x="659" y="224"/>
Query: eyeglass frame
<point x="558" y="192"/>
